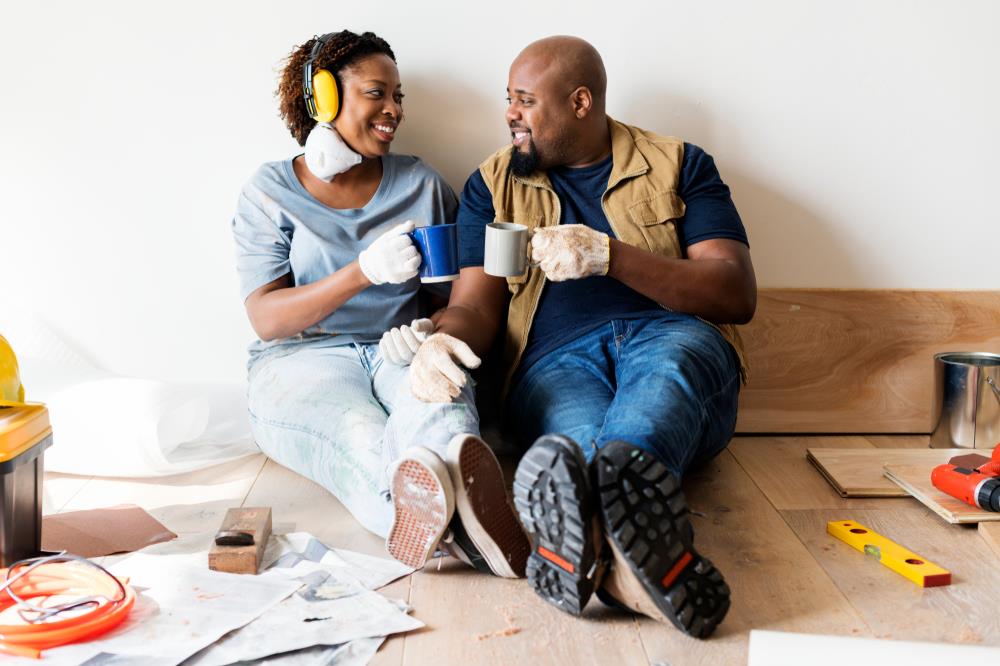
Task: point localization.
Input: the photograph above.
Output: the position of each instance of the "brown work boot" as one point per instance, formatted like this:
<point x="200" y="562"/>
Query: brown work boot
<point x="486" y="527"/>
<point x="556" y="506"/>
<point x="655" y="569"/>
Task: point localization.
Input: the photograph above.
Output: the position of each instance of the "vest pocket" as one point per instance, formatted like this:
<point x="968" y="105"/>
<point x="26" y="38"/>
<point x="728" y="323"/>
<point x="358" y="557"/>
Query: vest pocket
<point x="656" y="219"/>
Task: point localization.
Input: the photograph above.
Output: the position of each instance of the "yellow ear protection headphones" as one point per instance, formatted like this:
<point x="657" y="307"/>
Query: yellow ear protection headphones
<point x="321" y="88"/>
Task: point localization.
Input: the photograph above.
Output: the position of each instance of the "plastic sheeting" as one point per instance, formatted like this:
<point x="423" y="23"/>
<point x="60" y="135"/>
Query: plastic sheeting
<point x="108" y="425"/>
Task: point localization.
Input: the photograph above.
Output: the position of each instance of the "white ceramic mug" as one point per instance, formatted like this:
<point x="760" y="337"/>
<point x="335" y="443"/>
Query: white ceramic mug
<point x="506" y="250"/>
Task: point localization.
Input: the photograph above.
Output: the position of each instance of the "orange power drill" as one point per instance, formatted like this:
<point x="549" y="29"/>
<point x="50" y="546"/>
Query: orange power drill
<point x="979" y="486"/>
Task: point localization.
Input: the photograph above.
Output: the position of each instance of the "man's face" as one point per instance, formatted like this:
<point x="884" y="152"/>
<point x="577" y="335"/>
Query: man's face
<point x="539" y="115"/>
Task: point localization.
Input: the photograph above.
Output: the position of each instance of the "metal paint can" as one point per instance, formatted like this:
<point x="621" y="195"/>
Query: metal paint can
<point x="966" y="408"/>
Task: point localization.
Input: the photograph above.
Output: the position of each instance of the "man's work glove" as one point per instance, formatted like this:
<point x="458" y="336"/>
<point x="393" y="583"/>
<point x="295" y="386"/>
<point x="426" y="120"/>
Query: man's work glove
<point x="570" y="252"/>
<point x="392" y="257"/>
<point x="398" y="345"/>
<point x="434" y="374"/>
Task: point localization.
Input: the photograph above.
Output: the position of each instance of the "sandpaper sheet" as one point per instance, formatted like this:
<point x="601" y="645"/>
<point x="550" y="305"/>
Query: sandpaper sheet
<point x="117" y="529"/>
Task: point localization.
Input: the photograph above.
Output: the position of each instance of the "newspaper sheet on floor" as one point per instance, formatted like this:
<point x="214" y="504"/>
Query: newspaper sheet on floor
<point x="335" y="605"/>
<point x="181" y="607"/>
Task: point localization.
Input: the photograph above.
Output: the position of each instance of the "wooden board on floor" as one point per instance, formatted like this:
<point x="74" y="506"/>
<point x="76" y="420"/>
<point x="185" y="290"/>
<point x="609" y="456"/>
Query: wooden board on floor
<point x="473" y="618"/>
<point x="916" y="480"/>
<point x="858" y="472"/>
<point x="991" y="535"/>
<point x="775" y="583"/>
<point x="778" y="465"/>
<point x="855" y="361"/>
<point x="895" y="608"/>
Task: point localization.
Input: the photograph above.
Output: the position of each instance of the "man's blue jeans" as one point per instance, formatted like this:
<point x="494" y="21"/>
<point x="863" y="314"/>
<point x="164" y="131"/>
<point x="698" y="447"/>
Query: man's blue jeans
<point x="668" y="384"/>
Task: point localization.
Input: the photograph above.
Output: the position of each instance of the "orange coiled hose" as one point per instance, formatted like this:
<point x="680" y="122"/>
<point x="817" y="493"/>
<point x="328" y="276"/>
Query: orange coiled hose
<point x="62" y="578"/>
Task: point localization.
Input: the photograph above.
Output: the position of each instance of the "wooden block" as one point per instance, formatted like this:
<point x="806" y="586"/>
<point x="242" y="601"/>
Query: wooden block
<point x="858" y="472"/>
<point x="916" y="480"/>
<point x="242" y="559"/>
<point x="855" y="360"/>
<point x="991" y="535"/>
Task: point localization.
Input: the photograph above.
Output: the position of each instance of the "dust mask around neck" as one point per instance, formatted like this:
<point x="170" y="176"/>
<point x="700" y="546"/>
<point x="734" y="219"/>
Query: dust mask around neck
<point x="327" y="154"/>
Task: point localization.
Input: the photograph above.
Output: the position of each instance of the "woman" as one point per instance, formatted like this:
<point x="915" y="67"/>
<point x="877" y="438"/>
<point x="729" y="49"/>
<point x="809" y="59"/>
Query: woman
<point x="326" y="266"/>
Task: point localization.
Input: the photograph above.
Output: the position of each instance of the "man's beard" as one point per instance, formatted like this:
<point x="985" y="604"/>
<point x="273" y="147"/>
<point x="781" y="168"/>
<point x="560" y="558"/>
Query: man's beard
<point x="524" y="164"/>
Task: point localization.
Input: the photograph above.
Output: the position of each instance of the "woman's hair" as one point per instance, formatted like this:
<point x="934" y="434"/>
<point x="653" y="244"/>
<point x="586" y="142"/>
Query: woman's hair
<point x="340" y="51"/>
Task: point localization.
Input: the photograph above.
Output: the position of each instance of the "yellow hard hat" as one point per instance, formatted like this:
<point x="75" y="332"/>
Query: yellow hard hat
<point x="10" y="379"/>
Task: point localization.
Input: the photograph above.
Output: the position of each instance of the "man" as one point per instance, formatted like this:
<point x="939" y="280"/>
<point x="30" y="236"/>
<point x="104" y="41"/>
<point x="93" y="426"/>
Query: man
<point x="621" y="339"/>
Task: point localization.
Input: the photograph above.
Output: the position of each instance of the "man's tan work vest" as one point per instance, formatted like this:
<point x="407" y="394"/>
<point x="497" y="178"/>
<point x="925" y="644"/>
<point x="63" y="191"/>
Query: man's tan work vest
<point x="641" y="204"/>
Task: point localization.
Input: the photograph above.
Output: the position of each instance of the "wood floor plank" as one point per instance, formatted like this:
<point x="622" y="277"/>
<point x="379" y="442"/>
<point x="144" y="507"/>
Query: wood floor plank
<point x="778" y="465"/>
<point x="894" y="607"/>
<point x="990" y="532"/>
<point x="776" y="584"/>
<point x="916" y="480"/>
<point x="858" y="472"/>
<point x="473" y="618"/>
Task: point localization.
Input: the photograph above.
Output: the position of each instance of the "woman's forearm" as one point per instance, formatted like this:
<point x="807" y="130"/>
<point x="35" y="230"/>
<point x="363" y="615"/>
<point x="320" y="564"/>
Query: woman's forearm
<point x="280" y="310"/>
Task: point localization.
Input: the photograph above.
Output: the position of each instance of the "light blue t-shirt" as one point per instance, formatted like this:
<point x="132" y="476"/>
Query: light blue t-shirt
<point x="280" y="228"/>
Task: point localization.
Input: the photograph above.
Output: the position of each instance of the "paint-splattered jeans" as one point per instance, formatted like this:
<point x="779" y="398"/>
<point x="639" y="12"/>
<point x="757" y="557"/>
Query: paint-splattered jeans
<point x="341" y="416"/>
<point x="668" y="384"/>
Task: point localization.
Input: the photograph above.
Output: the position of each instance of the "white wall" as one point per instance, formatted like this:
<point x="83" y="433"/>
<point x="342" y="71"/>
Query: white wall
<point x="860" y="140"/>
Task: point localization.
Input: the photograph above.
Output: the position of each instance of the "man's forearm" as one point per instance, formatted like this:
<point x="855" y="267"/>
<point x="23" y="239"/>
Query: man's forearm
<point x="721" y="291"/>
<point x="469" y="325"/>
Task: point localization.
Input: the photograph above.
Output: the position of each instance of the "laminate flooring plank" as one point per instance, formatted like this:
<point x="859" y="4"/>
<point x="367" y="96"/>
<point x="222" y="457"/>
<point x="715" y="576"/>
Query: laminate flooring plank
<point x="473" y="618"/>
<point x="776" y="584"/>
<point x="858" y="472"/>
<point x="894" y="607"/>
<point x="990" y="532"/>
<point x="916" y="480"/>
<point x="779" y="467"/>
<point x="300" y="505"/>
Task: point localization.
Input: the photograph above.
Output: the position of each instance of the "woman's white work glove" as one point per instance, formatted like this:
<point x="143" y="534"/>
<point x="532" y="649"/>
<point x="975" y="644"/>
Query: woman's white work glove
<point x="434" y="374"/>
<point x="392" y="257"/>
<point x="400" y="344"/>
<point x="570" y="252"/>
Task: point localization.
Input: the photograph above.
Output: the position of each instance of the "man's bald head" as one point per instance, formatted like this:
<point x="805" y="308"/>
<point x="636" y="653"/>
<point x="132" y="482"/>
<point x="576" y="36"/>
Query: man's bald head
<point x="571" y="60"/>
<point x="556" y="90"/>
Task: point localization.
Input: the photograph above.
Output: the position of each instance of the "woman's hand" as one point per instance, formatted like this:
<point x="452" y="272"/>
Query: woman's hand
<point x="400" y="344"/>
<point x="392" y="257"/>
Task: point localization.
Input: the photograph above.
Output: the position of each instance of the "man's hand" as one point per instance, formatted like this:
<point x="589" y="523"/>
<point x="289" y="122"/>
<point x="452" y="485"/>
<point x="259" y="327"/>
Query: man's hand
<point x="392" y="257"/>
<point x="400" y="344"/>
<point x="434" y="374"/>
<point x="570" y="252"/>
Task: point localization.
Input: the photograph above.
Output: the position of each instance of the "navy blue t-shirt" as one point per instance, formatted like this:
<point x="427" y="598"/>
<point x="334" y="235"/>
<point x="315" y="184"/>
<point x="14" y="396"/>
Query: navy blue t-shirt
<point x="569" y="309"/>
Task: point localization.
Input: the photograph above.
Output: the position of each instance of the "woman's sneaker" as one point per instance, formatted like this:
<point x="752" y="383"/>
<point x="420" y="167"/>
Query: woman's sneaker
<point x="424" y="501"/>
<point x="554" y="502"/>
<point x="485" y="529"/>
<point x="656" y="570"/>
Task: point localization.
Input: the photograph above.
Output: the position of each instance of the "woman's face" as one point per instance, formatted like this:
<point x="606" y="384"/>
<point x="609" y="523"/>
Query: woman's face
<point x="372" y="105"/>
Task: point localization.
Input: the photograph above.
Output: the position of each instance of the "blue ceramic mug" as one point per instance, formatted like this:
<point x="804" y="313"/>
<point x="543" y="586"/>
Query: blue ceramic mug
<point x="438" y="246"/>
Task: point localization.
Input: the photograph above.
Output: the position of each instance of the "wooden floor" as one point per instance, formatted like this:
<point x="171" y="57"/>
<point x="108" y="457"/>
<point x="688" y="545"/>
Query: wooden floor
<point x="760" y="514"/>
